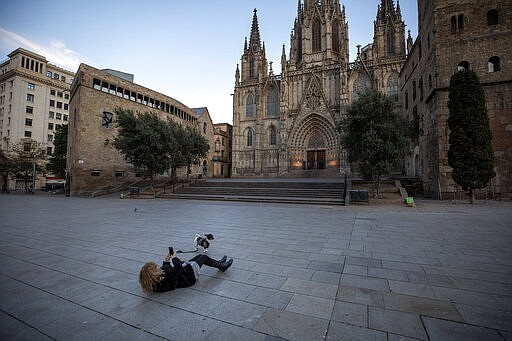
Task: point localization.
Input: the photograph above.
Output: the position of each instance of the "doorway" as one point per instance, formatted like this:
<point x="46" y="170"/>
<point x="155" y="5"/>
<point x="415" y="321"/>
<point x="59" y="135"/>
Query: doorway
<point x="316" y="159"/>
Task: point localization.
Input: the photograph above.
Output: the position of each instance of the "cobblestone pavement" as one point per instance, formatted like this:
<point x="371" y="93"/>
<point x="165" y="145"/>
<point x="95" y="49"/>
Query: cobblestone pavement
<point x="440" y="271"/>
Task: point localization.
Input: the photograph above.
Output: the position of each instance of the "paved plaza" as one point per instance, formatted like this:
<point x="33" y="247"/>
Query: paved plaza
<point x="439" y="271"/>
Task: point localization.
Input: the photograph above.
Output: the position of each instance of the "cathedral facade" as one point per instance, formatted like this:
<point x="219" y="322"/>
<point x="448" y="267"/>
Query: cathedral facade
<point x="288" y="123"/>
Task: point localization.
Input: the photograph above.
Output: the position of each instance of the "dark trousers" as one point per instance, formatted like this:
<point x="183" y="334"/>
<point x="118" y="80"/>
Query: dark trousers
<point x="204" y="260"/>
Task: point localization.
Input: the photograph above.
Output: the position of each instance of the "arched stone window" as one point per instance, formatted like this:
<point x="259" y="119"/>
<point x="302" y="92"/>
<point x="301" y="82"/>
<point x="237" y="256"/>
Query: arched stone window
<point x="317" y="35"/>
<point x="251" y="67"/>
<point x="272" y="136"/>
<point x="249" y="107"/>
<point x="360" y="85"/>
<point x="464" y="65"/>
<point x="391" y="40"/>
<point x="249" y="137"/>
<point x="273" y="103"/>
<point x="335" y="37"/>
<point x="299" y="45"/>
<point x="494" y="64"/>
<point x="392" y="86"/>
<point x="492" y="17"/>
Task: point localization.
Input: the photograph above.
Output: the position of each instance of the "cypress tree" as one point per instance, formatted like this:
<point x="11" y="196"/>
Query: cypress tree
<point x="470" y="155"/>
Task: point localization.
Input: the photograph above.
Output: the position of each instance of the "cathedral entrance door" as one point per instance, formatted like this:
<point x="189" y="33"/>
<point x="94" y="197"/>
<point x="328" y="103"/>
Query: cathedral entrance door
<point x="316" y="159"/>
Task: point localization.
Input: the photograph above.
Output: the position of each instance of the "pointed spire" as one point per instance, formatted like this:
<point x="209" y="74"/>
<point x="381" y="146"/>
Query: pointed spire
<point x="398" y="11"/>
<point x="255" y="41"/>
<point x="386" y="10"/>
<point x="245" y="45"/>
<point x="237" y="75"/>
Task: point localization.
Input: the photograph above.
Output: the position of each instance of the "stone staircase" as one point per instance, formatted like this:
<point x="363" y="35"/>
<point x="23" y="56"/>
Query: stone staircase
<point x="277" y="190"/>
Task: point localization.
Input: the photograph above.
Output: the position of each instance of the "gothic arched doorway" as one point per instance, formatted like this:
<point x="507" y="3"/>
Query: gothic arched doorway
<point x="314" y="144"/>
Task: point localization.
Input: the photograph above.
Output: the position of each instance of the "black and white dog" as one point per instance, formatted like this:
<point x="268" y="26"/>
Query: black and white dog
<point x="203" y="242"/>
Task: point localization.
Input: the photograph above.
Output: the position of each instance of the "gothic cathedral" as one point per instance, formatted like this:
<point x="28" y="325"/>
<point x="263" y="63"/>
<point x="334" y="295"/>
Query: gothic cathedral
<point x="287" y="123"/>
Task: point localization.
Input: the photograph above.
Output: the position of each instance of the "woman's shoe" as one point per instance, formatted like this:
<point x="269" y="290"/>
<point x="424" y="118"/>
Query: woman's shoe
<point x="223" y="266"/>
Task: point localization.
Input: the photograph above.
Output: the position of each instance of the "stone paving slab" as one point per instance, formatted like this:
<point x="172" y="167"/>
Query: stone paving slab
<point x="439" y="271"/>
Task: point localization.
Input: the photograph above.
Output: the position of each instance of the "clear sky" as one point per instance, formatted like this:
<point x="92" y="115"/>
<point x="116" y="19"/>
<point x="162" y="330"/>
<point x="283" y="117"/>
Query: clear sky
<point x="186" y="49"/>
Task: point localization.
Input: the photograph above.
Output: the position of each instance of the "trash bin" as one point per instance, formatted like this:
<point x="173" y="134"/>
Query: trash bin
<point x="134" y="190"/>
<point x="359" y="195"/>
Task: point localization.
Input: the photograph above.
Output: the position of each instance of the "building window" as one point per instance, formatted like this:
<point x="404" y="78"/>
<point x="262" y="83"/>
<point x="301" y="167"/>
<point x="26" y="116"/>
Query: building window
<point x="66" y="106"/>
<point x="29" y="110"/>
<point x="28" y="122"/>
<point x="249" y="108"/>
<point x="59" y="105"/>
<point x="49" y="150"/>
<point x="58" y="116"/>
<point x="52" y="92"/>
<point x="494" y="64"/>
<point x="406" y="100"/>
<point x="118" y="174"/>
<point x="49" y="74"/>
<point x="59" y="94"/>
<point x="66" y="96"/>
<point x="107" y="120"/>
<point x="63" y="78"/>
<point x="96" y="84"/>
<point x="272" y="103"/>
<point x="52" y="103"/>
<point x="251" y="67"/>
<point x="273" y="136"/>
<point x="420" y="86"/>
<point x="492" y="17"/>
<point x="457" y="23"/>
<point x="56" y="76"/>
<point x="65" y="118"/>
<point x="392" y="86"/>
<point x="204" y="127"/>
<point x="50" y="126"/>
<point x="128" y="159"/>
<point x="51" y="114"/>
<point x="31" y="86"/>
<point x="317" y="35"/>
<point x="50" y="138"/>
<point x="30" y="98"/>
<point x="95" y="173"/>
<point x="28" y="133"/>
<point x="464" y="65"/>
<point x="335" y="37"/>
<point x="249" y="138"/>
<point x="391" y="40"/>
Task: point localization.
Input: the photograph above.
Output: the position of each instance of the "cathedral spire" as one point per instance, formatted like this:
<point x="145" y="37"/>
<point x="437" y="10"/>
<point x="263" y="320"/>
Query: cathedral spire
<point x="386" y="11"/>
<point x="255" y="41"/>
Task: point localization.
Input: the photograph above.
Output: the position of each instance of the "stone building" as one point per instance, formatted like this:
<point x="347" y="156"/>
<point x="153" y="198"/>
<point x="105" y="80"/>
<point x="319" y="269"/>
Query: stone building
<point x="454" y="35"/>
<point x="222" y="150"/>
<point x="34" y="99"/>
<point x="206" y="127"/>
<point x="93" y="164"/>
<point x="288" y="122"/>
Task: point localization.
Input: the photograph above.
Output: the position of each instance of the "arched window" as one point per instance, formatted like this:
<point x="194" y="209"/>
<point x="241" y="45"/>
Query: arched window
<point x="251" y="67"/>
<point x="464" y="65"/>
<point x="360" y="85"/>
<point x="317" y="35"/>
<point x="249" y="137"/>
<point x="492" y="17"/>
<point x="391" y="40"/>
<point x="249" y="107"/>
<point x="273" y="103"/>
<point x="299" y="45"/>
<point x="494" y="64"/>
<point x="272" y="136"/>
<point x="392" y="86"/>
<point x="335" y="37"/>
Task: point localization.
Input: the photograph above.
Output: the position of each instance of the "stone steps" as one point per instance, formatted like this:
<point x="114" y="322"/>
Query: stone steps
<point x="268" y="190"/>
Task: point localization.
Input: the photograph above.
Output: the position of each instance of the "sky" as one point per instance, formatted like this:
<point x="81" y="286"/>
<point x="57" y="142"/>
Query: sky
<point x="187" y="50"/>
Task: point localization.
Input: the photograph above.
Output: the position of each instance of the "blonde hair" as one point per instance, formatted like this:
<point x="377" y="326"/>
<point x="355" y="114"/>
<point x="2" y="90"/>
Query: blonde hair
<point x="150" y="274"/>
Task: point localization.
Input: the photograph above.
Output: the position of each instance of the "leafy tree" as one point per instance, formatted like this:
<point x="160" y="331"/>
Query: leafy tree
<point x="375" y="137"/>
<point x="147" y="139"/>
<point x="470" y="154"/>
<point x="26" y="156"/>
<point x="196" y="146"/>
<point x="6" y="166"/>
<point x="57" y="163"/>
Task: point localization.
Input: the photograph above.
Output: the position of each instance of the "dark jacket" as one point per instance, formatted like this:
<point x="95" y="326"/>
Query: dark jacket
<point x="176" y="276"/>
